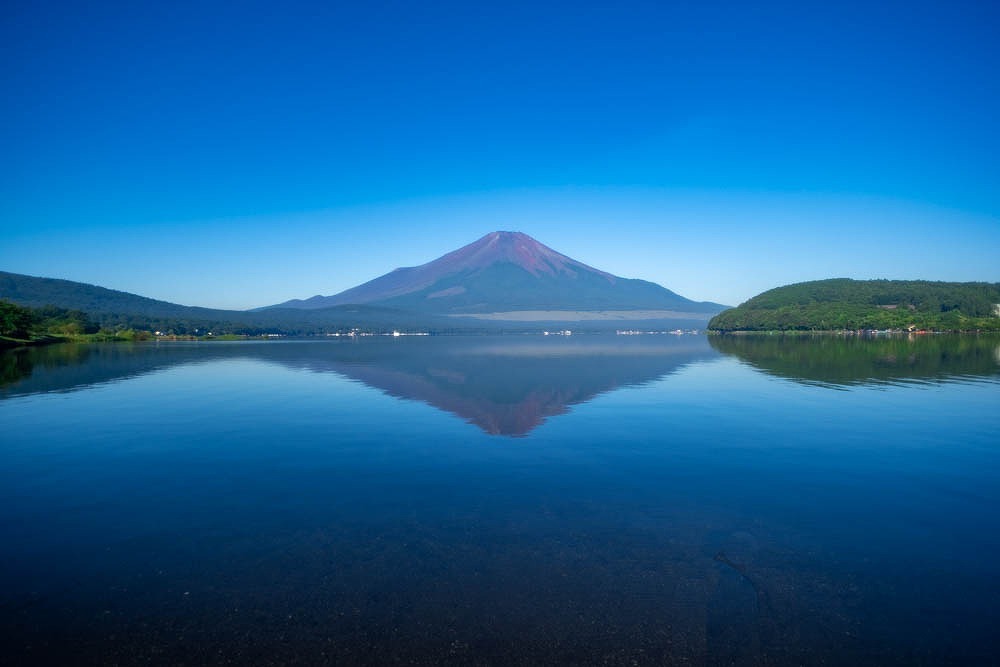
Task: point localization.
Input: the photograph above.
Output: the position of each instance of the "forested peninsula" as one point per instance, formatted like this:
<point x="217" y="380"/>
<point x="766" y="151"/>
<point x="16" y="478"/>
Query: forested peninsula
<point x="843" y="304"/>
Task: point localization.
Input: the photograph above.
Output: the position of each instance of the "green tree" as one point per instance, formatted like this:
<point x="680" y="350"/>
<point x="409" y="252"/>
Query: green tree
<point x="15" y="321"/>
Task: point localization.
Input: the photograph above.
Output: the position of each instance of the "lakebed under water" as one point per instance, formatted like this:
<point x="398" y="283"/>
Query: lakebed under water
<point x="502" y="500"/>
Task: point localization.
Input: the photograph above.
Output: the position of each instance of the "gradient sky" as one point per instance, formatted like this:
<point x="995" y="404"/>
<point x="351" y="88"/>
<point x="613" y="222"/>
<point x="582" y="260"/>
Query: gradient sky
<point x="239" y="154"/>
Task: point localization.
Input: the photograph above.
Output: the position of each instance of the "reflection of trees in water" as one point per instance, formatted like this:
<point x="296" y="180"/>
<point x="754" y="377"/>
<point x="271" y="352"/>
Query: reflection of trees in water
<point x="69" y="366"/>
<point x="14" y="366"/>
<point x="18" y="364"/>
<point x="847" y="360"/>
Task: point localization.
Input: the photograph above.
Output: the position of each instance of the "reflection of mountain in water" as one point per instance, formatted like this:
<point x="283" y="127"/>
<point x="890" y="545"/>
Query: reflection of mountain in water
<point x="509" y="386"/>
<point x="504" y="385"/>
<point x="851" y="360"/>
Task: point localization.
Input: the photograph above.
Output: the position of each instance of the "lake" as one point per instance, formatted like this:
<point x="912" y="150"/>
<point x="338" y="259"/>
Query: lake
<point x="516" y="500"/>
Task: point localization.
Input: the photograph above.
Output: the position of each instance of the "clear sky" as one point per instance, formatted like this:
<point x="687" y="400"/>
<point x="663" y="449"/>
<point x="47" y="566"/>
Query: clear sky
<point x="239" y="154"/>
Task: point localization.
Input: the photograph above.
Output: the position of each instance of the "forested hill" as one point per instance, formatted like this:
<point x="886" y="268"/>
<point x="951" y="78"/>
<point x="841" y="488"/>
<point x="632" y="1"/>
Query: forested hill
<point x="110" y="309"/>
<point x="845" y="304"/>
<point x="37" y="292"/>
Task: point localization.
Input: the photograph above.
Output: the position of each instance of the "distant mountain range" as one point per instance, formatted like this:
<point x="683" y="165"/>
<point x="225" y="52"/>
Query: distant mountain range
<point x="508" y="272"/>
<point x="504" y="280"/>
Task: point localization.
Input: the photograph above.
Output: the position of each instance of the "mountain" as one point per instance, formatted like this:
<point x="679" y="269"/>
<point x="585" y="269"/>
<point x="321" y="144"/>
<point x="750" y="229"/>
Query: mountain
<point x="845" y="304"/>
<point x="504" y="272"/>
<point x="112" y="309"/>
<point x="504" y="281"/>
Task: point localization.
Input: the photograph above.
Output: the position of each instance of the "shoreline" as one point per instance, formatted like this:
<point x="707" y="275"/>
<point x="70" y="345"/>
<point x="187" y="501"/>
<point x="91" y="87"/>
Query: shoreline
<point x="14" y="343"/>
<point x="862" y="333"/>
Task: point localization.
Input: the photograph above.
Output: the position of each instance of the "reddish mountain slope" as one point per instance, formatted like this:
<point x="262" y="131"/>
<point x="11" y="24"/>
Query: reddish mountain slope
<point x="506" y="271"/>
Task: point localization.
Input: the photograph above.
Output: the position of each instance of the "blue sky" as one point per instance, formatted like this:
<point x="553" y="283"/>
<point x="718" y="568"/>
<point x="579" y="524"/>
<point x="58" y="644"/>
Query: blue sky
<point x="240" y="154"/>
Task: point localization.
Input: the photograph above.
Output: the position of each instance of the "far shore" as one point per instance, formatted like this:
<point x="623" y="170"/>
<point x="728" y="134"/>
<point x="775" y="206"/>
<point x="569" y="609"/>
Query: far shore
<point x="582" y="315"/>
<point x="846" y="332"/>
<point x="7" y="344"/>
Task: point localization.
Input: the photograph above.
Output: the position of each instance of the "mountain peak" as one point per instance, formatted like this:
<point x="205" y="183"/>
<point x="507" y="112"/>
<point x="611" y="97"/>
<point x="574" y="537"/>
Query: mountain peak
<point x="510" y="247"/>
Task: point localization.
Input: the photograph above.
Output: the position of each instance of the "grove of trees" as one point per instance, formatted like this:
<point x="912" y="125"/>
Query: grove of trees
<point x="845" y="304"/>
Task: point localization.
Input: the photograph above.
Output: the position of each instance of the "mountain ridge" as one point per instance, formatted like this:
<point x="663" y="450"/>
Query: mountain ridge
<point x="506" y="271"/>
<point x="114" y="308"/>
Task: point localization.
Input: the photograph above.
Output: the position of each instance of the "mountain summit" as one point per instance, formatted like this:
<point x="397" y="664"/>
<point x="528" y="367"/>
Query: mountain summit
<point x="510" y="247"/>
<point x="503" y="272"/>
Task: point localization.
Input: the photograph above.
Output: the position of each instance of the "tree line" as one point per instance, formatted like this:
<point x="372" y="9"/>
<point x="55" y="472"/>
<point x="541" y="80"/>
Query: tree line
<point x="22" y="323"/>
<point x="844" y="304"/>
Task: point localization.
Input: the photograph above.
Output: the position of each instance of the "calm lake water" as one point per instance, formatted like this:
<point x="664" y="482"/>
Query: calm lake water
<point x="514" y="500"/>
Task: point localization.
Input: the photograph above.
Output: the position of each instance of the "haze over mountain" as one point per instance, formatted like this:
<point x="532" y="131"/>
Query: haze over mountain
<point x="505" y="272"/>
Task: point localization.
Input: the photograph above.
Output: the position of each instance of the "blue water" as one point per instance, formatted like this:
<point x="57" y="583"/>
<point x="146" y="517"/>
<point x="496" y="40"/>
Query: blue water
<point x="516" y="500"/>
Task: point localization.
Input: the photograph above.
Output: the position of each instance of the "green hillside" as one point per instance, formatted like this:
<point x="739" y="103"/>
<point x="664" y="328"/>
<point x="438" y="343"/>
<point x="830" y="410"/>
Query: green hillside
<point x="844" y="304"/>
<point x="98" y="308"/>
